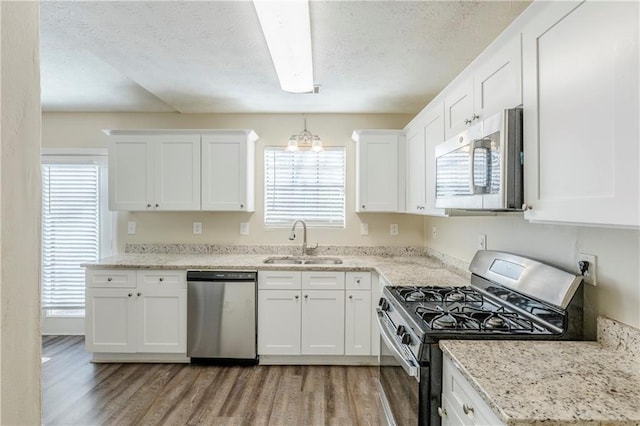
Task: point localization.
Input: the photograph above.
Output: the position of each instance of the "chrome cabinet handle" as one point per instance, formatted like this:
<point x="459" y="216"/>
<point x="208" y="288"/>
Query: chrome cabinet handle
<point x="241" y="206"/>
<point x="130" y="294"/>
<point x="306" y="296"/>
<point x="467" y="409"/>
<point x="139" y="294"/>
<point x="358" y="281"/>
<point x="297" y="297"/>
<point x="351" y="296"/>
<point x="157" y="205"/>
<point x="109" y="279"/>
<point x="474" y="116"/>
<point x="148" y="205"/>
<point x="161" y="279"/>
<point x="363" y="206"/>
<point x="442" y="411"/>
<point x="467" y="121"/>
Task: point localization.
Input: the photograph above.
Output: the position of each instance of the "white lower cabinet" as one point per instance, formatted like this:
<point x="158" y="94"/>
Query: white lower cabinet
<point x="320" y="317"/>
<point x="129" y="313"/>
<point x="461" y="404"/>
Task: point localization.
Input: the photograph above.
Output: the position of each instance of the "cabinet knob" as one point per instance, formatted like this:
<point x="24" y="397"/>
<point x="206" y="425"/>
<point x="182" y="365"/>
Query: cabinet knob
<point x="358" y="281"/>
<point x="467" y="409"/>
<point x="526" y="207"/>
<point x="160" y="279"/>
<point x="363" y="206"/>
<point x="157" y="205"/>
<point x="306" y="296"/>
<point x="351" y="296"/>
<point x="109" y="279"/>
<point x="139" y="294"/>
<point x="130" y="294"/>
<point x="297" y="297"/>
<point x="241" y="206"/>
<point x="442" y="411"/>
<point x="474" y="116"/>
<point x="148" y="205"/>
<point x="467" y="121"/>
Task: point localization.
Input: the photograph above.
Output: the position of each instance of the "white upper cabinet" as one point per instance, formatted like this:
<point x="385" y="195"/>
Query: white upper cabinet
<point x="433" y="129"/>
<point x="153" y="172"/>
<point x="415" y="168"/>
<point x="379" y="177"/>
<point x="181" y="170"/>
<point x="581" y="113"/>
<point x="228" y="163"/>
<point x="492" y="83"/>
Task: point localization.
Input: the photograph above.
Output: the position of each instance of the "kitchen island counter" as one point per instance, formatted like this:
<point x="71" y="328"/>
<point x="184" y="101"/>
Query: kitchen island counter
<point x="556" y="382"/>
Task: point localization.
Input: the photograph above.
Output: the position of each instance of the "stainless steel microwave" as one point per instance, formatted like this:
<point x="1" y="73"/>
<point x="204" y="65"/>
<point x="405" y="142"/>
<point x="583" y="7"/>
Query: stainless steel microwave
<point x="482" y="168"/>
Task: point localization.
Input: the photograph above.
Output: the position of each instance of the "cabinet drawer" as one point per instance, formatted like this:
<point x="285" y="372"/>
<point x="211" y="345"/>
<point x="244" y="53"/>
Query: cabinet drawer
<point x="462" y="397"/>
<point x="164" y="278"/>
<point x="323" y="280"/>
<point x="358" y="280"/>
<point x="110" y="278"/>
<point x="279" y="280"/>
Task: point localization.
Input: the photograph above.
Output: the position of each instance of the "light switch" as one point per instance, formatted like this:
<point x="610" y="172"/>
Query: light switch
<point x="197" y="228"/>
<point x="244" y="228"/>
<point x="364" y="229"/>
<point x="131" y="228"/>
<point x="394" y="229"/>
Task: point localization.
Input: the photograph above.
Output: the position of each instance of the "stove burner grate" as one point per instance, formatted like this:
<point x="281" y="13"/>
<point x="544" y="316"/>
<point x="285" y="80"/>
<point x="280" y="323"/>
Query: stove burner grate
<point x="440" y="294"/>
<point x="473" y="318"/>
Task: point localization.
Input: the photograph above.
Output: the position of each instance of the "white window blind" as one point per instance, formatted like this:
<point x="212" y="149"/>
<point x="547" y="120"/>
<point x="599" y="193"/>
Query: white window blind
<point x="70" y="231"/>
<point x="304" y="185"/>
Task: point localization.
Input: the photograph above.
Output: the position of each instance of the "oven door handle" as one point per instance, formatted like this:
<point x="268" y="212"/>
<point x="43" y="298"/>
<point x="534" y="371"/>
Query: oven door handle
<point x="408" y="365"/>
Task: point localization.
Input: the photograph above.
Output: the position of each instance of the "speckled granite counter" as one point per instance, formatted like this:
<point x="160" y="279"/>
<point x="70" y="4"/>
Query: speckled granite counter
<point x="557" y="383"/>
<point x="398" y="270"/>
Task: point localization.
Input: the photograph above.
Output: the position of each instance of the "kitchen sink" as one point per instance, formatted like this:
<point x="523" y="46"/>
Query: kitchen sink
<point x="299" y="260"/>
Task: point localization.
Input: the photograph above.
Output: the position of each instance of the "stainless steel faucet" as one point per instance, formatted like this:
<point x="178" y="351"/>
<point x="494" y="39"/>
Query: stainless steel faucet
<point x="292" y="236"/>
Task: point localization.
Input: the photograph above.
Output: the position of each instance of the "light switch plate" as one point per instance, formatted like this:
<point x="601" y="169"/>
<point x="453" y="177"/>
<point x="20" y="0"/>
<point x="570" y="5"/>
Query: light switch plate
<point x="590" y="276"/>
<point x="482" y="241"/>
<point x="434" y="233"/>
<point x="394" y="229"/>
<point x="364" y="229"/>
<point x="197" y="228"/>
<point x="244" y="228"/>
<point x="131" y="228"/>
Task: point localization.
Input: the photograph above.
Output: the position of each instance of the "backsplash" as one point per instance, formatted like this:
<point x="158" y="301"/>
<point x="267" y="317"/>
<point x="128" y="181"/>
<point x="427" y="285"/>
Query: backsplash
<point x="619" y="336"/>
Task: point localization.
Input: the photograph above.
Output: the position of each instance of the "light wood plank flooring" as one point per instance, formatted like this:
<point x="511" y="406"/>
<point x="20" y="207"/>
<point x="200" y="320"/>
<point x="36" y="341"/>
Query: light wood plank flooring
<point x="77" y="392"/>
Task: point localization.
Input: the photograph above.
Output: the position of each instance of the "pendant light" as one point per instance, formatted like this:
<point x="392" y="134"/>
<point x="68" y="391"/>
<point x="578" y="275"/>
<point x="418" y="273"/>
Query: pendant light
<point x="305" y="138"/>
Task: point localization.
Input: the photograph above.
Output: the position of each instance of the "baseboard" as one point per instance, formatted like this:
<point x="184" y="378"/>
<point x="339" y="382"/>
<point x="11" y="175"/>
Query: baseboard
<point x="317" y="360"/>
<point x="139" y="357"/>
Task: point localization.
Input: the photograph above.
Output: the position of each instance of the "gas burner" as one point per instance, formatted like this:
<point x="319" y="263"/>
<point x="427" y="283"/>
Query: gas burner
<point x="445" y="321"/>
<point x="415" y="296"/>
<point x="493" y="322"/>
<point x="454" y="296"/>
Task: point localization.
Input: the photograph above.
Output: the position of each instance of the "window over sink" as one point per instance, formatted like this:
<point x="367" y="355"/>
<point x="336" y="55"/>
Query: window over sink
<point x="304" y="185"/>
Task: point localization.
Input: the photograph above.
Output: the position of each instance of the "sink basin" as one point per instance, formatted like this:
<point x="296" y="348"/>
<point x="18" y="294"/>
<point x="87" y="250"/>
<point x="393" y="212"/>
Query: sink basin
<point x="294" y="260"/>
<point x="283" y="261"/>
<point x="323" y="261"/>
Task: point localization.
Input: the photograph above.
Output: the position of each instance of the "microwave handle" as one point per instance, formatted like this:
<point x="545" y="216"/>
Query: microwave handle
<point x="478" y="143"/>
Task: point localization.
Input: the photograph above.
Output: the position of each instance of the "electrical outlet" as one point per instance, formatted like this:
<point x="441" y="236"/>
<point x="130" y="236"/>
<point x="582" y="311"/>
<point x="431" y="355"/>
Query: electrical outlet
<point x="364" y="229"/>
<point x="131" y="228"/>
<point x="197" y="228"/>
<point x="589" y="275"/>
<point x="434" y="233"/>
<point x="244" y="228"/>
<point x="482" y="241"/>
<point x="394" y="229"/>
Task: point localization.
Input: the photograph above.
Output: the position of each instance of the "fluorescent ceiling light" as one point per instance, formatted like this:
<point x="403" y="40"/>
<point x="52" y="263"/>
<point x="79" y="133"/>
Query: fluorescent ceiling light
<point x="287" y="30"/>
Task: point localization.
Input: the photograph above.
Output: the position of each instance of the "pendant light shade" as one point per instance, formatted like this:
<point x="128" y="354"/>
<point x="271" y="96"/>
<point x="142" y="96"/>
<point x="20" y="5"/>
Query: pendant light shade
<point x="305" y="138"/>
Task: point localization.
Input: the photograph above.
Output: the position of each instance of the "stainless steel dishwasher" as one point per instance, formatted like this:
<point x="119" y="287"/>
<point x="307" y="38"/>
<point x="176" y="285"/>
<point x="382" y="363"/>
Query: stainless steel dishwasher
<point x="221" y="317"/>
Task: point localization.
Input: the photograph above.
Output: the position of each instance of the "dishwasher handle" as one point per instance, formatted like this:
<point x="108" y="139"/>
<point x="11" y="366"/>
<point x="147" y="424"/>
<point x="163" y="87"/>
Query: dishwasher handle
<point x="226" y="276"/>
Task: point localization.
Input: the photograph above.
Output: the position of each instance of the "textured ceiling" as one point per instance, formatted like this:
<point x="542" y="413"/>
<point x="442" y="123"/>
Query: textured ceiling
<point x="210" y="56"/>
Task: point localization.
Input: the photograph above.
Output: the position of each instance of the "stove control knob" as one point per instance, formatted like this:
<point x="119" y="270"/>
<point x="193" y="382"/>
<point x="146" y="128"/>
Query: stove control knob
<point x="406" y="339"/>
<point x="384" y="305"/>
<point x="401" y="330"/>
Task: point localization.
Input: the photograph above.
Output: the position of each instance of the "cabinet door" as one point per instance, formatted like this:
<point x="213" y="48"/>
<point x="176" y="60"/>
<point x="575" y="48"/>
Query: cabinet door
<point x="130" y="173"/>
<point x="110" y="320"/>
<point x="378" y="174"/>
<point x="177" y="172"/>
<point x="227" y="173"/>
<point x="581" y="113"/>
<point x="322" y="322"/>
<point x="416" y="170"/>
<point x="357" y="323"/>
<point x="161" y="319"/>
<point x="497" y="80"/>
<point x="433" y="136"/>
<point x="279" y="322"/>
<point x="458" y="105"/>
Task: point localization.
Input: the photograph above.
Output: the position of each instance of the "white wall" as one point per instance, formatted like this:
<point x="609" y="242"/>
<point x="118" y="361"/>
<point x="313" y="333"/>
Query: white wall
<point x="20" y="401"/>
<point x="617" y="294"/>
<point x="84" y="130"/>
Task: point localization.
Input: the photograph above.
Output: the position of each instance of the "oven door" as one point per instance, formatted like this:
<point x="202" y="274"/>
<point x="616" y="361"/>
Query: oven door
<point x="399" y="377"/>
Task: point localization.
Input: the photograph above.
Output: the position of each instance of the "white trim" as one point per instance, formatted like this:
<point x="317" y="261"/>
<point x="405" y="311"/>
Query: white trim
<point x="74" y="152"/>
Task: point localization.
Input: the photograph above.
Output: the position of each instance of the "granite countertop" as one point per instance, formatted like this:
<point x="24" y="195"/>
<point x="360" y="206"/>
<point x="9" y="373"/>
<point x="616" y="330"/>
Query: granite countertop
<point x="556" y="382"/>
<point x="397" y="270"/>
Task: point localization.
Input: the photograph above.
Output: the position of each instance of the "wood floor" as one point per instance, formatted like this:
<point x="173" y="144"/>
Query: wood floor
<point x="77" y="392"/>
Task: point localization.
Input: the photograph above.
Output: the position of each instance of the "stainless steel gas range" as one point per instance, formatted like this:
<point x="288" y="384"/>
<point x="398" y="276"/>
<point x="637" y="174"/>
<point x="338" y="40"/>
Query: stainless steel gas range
<point x="509" y="297"/>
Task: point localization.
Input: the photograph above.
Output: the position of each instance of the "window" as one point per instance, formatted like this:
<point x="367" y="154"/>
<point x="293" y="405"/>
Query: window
<point x="74" y="220"/>
<point x="304" y="185"/>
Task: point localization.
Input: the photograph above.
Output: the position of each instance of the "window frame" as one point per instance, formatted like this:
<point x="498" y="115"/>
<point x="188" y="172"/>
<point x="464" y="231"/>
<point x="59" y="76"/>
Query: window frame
<point x="310" y="224"/>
